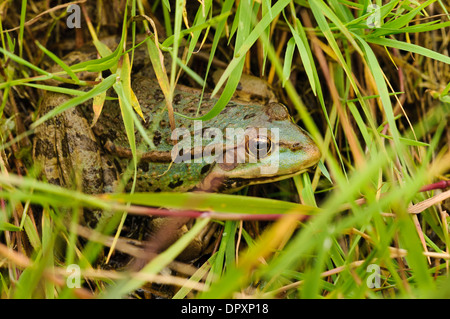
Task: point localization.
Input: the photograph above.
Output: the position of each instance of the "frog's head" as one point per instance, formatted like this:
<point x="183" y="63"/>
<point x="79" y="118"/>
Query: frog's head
<point x="271" y="148"/>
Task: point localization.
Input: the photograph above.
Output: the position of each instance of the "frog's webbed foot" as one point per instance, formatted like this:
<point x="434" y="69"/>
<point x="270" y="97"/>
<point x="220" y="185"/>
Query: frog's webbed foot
<point x="66" y="150"/>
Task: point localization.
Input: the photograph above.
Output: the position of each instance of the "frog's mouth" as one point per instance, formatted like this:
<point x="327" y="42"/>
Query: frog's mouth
<point x="235" y="184"/>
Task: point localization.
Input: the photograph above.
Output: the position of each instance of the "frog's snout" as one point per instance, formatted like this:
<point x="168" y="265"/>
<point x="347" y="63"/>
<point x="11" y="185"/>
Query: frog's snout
<point x="314" y="154"/>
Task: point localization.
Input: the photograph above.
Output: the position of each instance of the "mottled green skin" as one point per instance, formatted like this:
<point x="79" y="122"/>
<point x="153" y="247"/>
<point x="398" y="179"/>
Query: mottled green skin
<point x="297" y="151"/>
<point x="74" y="154"/>
<point x="66" y="145"/>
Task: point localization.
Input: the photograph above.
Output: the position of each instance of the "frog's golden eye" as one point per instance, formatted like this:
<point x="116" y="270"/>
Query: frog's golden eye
<point x="259" y="147"/>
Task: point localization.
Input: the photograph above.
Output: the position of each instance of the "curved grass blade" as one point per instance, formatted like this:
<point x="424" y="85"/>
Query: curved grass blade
<point x="125" y="286"/>
<point x="60" y="62"/>
<point x="98" y="89"/>
<point x="98" y="65"/>
<point x="400" y="21"/>
<point x="410" y="48"/>
<point x="57" y="89"/>
<point x="245" y="14"/>
<point x="288" y="60"/>
<point x="249" y="41"/>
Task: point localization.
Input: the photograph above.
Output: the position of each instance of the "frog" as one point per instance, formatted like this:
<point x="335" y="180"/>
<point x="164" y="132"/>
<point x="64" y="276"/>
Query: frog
<point x="264" y="146"/>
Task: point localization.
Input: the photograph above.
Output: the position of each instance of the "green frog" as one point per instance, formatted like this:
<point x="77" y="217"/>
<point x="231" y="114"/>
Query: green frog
<point x="250" y="142"/>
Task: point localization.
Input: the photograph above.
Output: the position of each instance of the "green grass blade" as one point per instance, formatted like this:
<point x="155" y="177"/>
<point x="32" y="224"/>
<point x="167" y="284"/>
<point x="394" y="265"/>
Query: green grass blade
<point x="399" y="22"/>
<point x="60" y="62"/>
<point x="382" y="89"/>
<point x="99" y="88"/>
<point x="288" y="60"/>
<point x="249" y="41"/>
<point x="23" y="12"/>
<point x="125" y="286"/>
<point x="222" y="203"/>
<point x="409" y="47"/>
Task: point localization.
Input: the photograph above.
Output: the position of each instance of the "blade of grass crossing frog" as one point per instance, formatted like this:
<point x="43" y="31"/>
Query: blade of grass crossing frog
<point x="97" y="106"/>
<point x="60" y="193"/>
<point x="292" y="92"/>
<point x="223" y="203"/>
<point x="126" y="77"/>
<point x="126" y="108"/>
<point x="156" y="56"/>
<point x="98" y="65"/>
<point x="56" y="89"/>
<point x="58" y="61"/>
<point x="98" y="89"/>
<point x="226" y="95"/>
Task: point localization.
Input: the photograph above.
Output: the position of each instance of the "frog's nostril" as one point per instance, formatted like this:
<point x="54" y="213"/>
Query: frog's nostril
<point x="296" y="146"/>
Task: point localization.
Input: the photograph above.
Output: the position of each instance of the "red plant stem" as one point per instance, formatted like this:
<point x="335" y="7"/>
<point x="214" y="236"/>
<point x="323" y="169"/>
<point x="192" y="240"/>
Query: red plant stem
<point x="151" y="211"/>
<point x="437" y="185"/>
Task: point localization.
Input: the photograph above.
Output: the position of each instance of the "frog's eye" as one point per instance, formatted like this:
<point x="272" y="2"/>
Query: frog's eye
<point x="259" y="146"/>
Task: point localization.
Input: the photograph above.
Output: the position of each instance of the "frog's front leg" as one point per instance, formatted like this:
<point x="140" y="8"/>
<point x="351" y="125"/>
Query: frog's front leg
<point x="66" y="149"/>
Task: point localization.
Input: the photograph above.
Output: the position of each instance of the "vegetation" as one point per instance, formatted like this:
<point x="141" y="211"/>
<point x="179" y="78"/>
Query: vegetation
<point x="368" y="81"/>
